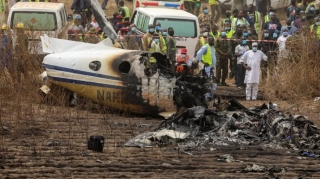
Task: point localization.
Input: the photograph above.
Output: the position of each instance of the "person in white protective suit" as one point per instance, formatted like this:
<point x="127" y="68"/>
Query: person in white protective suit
<point x="251" y="61"/>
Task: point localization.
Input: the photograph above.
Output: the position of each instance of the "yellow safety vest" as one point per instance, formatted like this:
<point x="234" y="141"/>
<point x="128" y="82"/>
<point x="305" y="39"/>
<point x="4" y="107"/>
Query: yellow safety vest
<point x="215" y="36"/>
<point x="229" y="34"/>
<point x="318" y="30"/>
<point x="164" y="44"/>
<point x="257" y="20"/>
<point x="213" y="2"/>
<point x="126" y="12"/>
<point x="203" y="41"/>
<point x="207" y="58"/>
<point x="266" y="18"/>
<point x="101" y="36"/>
<point x="2" y="5"/>
<point x="152" y="59"/>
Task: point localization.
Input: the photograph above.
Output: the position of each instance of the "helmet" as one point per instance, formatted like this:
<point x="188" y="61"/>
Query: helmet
<point x="184" y="50"/>
<point x="20" y="25"/>
<point x="4" y="27"/>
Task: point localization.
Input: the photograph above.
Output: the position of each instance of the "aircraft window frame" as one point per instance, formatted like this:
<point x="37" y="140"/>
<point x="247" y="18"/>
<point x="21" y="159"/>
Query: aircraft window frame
<point x="95" y="65"/>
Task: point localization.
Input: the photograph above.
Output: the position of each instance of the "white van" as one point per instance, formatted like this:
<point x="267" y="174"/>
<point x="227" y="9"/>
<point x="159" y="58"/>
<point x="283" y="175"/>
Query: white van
<point x="185" y="25"/>
<point x="39" y="18"/>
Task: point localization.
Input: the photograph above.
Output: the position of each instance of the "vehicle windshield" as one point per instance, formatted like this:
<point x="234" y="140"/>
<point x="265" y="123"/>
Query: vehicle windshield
<point x="37" y="21"/>
<point x="183" y="28"/>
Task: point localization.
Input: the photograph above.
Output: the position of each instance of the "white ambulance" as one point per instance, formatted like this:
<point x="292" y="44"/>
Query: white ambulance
<point x="39" y="18"/>
<point x="185" y="25"/>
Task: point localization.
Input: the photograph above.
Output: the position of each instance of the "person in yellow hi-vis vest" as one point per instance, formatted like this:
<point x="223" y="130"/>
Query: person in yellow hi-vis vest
<point x="214" y="32"/>
<point x="154" y="47"/>
<point x="163" y="37"/>
<point x="315" y="28"/>
<point x="207" y="56"/>
<point x="215" y="6"/>
<point x="255" y="17"/>
<point x="202" y="40"/>
<point x="124" y="11"/>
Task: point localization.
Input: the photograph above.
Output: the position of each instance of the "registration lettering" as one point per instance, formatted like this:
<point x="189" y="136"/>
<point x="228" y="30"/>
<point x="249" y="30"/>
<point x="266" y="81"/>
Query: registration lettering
<point x="107" y="96"/>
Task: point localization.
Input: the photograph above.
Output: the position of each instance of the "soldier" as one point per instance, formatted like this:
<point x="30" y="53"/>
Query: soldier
<point x="91" y="36"/>
<point x="171" y="48"/>
<point x="205" y="17"/>
<point x="197" y="10"/>
<point x="222" y="47"/>
<point x="133" y="39"/>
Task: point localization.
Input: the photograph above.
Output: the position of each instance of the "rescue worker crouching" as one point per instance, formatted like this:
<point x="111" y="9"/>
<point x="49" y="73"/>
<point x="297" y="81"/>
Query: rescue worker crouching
<point x="183" y="63"/>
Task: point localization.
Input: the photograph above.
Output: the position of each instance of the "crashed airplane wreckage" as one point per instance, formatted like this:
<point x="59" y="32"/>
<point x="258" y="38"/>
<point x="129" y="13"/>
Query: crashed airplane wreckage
<point x="121" y="79"/>
<point x="198" y="127"/>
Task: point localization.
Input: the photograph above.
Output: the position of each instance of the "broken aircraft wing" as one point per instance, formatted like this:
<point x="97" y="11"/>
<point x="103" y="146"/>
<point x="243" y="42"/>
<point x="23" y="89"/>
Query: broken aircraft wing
<point x="102" y="20"/>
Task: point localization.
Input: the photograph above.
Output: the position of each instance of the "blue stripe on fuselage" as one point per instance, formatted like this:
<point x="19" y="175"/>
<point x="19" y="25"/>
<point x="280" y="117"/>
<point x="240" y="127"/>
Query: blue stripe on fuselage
<point x="64" y="69"/>
<point x="80" y="82"/>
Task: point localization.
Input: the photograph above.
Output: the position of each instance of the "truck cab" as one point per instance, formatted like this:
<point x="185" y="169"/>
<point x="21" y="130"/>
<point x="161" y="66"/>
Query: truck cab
<point x="38" y="18"/>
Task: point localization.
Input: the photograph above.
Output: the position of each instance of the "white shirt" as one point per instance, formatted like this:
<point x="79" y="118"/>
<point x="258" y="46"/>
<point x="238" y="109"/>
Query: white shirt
<point x="253" y="60"/>
<point x="240" y="49"/>
<point x="281" y="41"/>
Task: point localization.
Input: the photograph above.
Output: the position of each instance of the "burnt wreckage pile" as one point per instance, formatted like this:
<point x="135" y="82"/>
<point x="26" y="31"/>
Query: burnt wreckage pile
<point x="232" y="123"/>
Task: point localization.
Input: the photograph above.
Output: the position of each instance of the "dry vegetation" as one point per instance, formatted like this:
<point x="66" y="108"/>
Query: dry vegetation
<point x="42" y="138"/>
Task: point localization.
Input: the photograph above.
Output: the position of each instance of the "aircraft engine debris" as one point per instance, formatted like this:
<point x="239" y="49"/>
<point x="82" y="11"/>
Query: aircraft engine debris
<point x="260" y="125"/>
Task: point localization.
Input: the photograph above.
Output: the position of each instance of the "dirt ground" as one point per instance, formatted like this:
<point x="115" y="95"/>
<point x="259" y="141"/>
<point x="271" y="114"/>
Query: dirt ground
<point x="48" y="141"/>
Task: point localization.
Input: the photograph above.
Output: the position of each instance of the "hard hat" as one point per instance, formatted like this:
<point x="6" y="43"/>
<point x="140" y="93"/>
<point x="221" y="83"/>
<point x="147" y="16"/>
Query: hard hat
<point x="4" y="27"/>
<point x="20" y="25"/>
<point x="184" y="50"/>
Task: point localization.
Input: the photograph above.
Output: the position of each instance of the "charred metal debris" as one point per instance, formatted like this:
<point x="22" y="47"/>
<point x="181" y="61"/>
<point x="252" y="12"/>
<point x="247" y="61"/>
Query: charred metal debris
<point x="232" y="123"/>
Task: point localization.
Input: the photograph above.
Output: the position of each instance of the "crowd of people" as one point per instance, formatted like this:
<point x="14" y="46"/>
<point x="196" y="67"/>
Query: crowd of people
<point x="233" y="44"/>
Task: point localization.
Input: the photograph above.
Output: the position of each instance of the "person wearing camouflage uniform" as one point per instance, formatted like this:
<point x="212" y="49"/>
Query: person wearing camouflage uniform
<point x="222" y="47"/>
<point x="205" y="18"/>
<point x="91" y="36"/>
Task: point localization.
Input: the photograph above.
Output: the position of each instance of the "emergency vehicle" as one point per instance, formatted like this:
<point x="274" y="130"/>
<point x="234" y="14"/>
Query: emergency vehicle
<point x="185" y="25"/>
